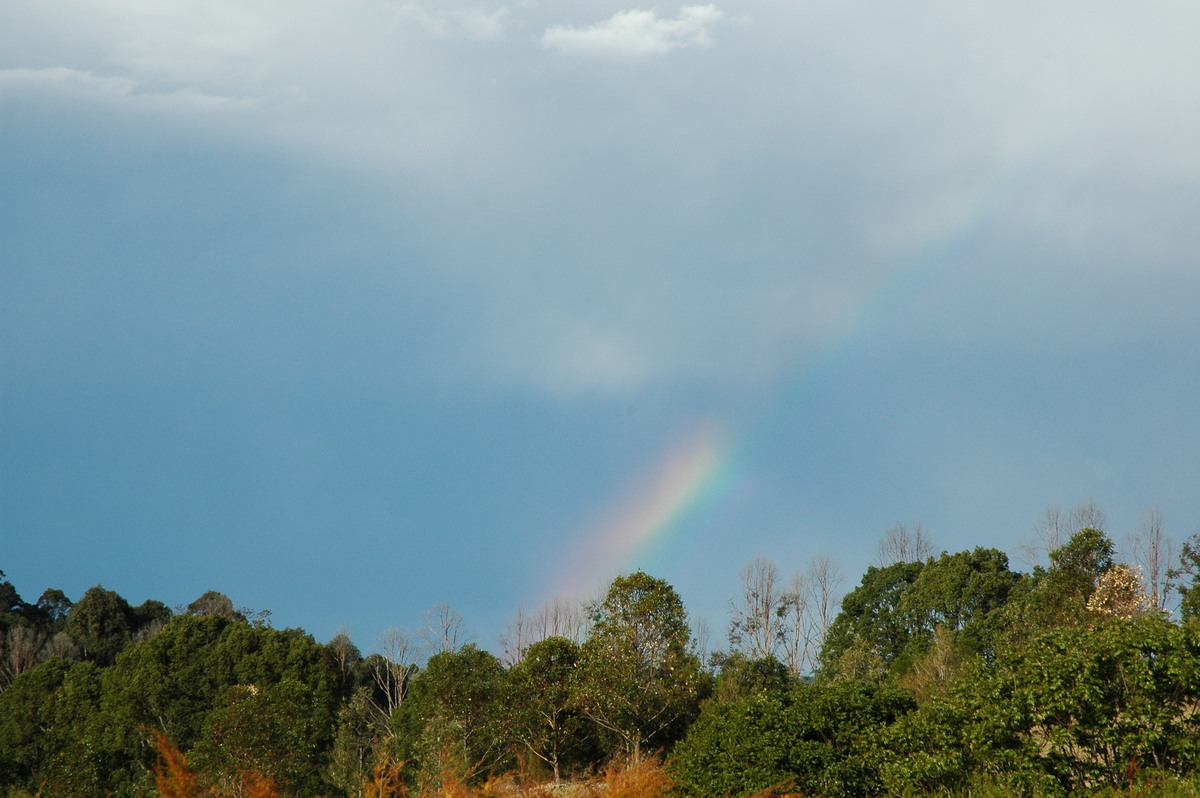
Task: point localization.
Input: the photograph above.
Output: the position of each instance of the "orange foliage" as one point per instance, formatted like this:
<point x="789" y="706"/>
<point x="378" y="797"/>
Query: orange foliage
<point x="385" y="781"/>
<point x="644" y="778"/>
<point x="172" y="776"/>
<point x="452" y="785"/>
<point x="174" y="779"/>
<point x="255" y="785"/>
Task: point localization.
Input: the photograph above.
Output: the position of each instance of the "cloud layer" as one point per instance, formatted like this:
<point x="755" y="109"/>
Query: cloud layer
<point x="814" y="154"/>
<point x="326" y="267"/>
<point x="636" y="34"/>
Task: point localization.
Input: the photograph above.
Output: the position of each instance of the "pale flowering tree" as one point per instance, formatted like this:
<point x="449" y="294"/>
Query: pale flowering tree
<point x="1119" y="593"/>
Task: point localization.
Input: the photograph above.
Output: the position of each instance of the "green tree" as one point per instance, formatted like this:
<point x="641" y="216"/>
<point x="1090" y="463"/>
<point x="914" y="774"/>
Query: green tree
<point x="47" y="718"/>
<point x="873" y="617"/>
<point x="356" y="743"/>
<point x="819" y="739"/>
<point x="346" y="658"/>
<point x="739" y="747"/>
<point x="449" y="722"/>
<point x="269" y="732"/>
<point x="1119" y="694"/>
<point x="1071" y="710"/>
<point x="101" y="624"/>
<point x="539" y="709"/>
<point x="1059" y="596"/>
<point x="12" y="608"/>
<point x="963" y="593"/>
<point x="896" y="612"/>
<point x="53" y="608"/>
<point x="176" y="680"/>
<point x="214" y="602"/>
<point x="1188" y="575"/>
<point x="739" y="677"/>
<point x="150" y="616"/>
<point x="637" y="678"/>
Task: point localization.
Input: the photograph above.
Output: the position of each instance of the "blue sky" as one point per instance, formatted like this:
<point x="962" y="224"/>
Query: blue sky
<point x="347" y="311"/>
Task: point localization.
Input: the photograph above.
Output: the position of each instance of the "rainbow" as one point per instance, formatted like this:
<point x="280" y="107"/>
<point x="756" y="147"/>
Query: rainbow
<point x="690" y="473"/>
<point x="693" y="472"/>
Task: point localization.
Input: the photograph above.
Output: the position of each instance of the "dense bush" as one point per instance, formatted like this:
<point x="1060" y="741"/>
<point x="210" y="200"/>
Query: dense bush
<point x="817" y="738"/>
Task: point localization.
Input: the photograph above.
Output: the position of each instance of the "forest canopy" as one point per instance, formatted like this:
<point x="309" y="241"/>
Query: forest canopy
<point x="947" y="673"/>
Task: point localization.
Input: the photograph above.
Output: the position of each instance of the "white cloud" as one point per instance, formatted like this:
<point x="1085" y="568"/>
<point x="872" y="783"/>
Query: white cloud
<point x="476" y="24"/>
<point x="809" y="152"/>
<point x="635" y="34"/>
<point x="82" y="85"/>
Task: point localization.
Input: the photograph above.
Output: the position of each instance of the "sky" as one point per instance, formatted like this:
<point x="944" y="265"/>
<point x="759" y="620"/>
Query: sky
<point x="350" y="310"/>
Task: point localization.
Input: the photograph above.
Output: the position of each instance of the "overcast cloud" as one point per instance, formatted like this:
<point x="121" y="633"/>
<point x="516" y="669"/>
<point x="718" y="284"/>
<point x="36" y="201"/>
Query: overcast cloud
<point x="635" y="34"/>
<point x="460" y="270"/>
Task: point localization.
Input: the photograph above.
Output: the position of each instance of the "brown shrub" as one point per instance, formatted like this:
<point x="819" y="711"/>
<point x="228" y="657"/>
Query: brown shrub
<point x="172" y="776"/>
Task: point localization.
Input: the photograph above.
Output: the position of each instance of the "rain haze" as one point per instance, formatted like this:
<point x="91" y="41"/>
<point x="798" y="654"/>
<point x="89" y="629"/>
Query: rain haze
<point x="349" y="310"/>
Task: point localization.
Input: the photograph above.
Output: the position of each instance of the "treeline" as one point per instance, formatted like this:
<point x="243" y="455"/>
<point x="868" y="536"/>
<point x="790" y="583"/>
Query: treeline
<point x="947" y="674"/>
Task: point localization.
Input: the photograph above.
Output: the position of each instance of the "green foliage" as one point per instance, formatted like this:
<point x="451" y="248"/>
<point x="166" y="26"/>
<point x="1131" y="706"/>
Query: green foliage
<point x="1188" y="572"/>
<point x="449" y="722"/>
<point x="175" y="682"/>
<point x="102" y="624"/>
<point x="873" y="617"/>
<point x="637" y="680"/>
<point x="740" y="677"/>
<point x="53" y="607"/>
<point x="962" y="593"/>
<point x="355" y="743"/>
<point x="1059" y="596"/>
<point x="892" y="618"/>
<point x="1074" y="709"/>
<point x="539" y="710"/>
<point x="964" y="739"/>
<point x="214" y="603"/>
<point x="47" y="716"/>
<point x="817" y="739"/>
<point x="274" y="732"/>
<point x="954" y="676"/>
<point x="739" y="747"/>
<point x="12" y="608"/>
<point x="1102" y="700"/>
<point x="150" y="614"/>
<point x="345" y="657"/>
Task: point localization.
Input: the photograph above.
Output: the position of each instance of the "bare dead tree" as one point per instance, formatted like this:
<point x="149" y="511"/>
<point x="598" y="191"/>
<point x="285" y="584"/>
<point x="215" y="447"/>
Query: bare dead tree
<point x="900" y="545"/>
<point x="1154" y="553"/>
<point x="443" y="630"/>
<point x="1088" y="516"/>
<point x="807" y="610"/>
<point x="1056" y="528"/>
<point x="701" y="635"/>
<point x="825" y="579"/>
<point x="344" y="652"/>
<point x="515" y="640"/>
<point x="19" y="652"/>
<point x="755" y="623"/>
<point x="1048" y="534"/>
<point x="795" y="634"/>
<point x="560" y="618"/>
<point x="60" y="646"/>
<point x="391" y="671"/>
